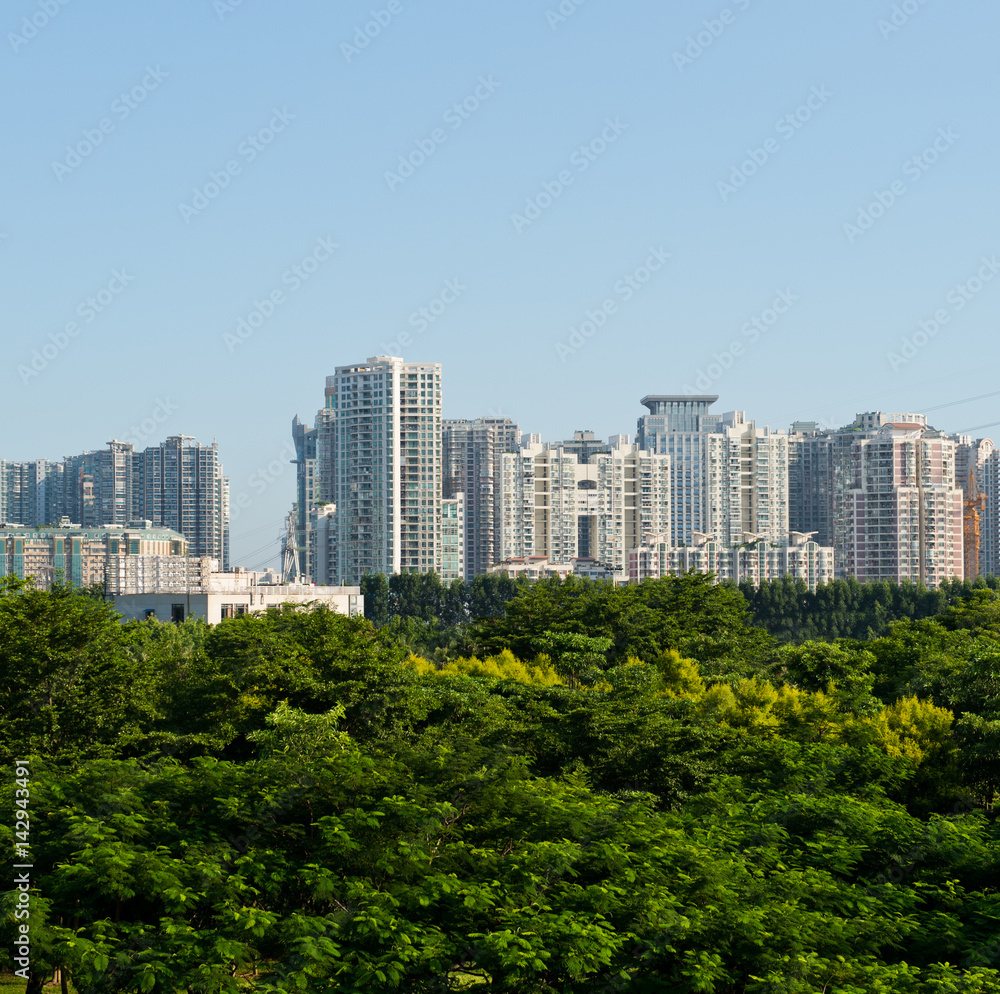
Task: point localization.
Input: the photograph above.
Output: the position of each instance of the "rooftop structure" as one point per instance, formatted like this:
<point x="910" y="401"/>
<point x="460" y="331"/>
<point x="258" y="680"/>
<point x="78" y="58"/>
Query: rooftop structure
<point x="176" y="590"/>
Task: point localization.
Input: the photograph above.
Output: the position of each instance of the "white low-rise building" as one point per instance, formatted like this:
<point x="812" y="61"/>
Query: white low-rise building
<point x="753" y="559"/>
<point x="172" y="589"/>
<point x="541" y="567"/>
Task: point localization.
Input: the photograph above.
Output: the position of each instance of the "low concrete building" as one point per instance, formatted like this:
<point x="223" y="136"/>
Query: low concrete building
<point x="754" y="559"/>
<point x="173" y="591"/>
<point x="540" y="567"/>
<point x="533" y="567"/>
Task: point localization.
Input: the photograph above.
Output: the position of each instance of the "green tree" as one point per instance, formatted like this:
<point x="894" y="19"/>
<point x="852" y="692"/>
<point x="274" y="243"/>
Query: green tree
<point x="375" y="589"/>
<point x="69" y="687"/>
<point x="818" y="665"/>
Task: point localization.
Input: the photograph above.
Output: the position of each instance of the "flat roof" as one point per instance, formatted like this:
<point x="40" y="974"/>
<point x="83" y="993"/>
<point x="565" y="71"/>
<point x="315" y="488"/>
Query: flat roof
<point x="653" y="399"/>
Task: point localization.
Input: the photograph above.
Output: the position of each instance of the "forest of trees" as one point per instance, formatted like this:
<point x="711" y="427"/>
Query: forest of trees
<point x="503" y="786"/>
<point x="429" y="613"/>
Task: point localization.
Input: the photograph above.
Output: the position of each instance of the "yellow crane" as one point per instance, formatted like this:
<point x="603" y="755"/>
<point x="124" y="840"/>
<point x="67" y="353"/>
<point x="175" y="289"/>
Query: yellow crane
<point x="973" y="504"/>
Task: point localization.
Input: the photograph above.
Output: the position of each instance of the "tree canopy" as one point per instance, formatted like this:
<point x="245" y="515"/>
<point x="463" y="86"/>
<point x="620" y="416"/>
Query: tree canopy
<point x="585" y="788"/>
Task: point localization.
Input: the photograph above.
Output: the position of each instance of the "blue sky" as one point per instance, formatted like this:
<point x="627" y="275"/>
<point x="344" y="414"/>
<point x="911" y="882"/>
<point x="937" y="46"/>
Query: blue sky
<point x="175" y="162"/>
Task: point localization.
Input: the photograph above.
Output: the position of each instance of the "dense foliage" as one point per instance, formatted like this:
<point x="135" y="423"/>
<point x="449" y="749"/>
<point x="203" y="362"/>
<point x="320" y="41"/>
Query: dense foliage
<point x="569" y="787"/>
<point x="849" y="609"/>
<point x="423" y="609"/>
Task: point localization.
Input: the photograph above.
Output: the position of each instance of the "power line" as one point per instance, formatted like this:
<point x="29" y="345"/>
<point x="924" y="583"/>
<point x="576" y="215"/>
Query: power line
<point x="262" y="549"/>
<point x="967" y="400"/>
<point x="263" y="563"/>
<point x="969" y="431"/>
<point x="243" y="535"/>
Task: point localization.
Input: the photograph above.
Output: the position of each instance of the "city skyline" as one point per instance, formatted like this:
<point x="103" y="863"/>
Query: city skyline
<point x="566" y="206"/>
<point x="277" y="479"/>
<point x="386" y="485"/>
<point x="177" y="483"/>
<point x="886" y="495"/>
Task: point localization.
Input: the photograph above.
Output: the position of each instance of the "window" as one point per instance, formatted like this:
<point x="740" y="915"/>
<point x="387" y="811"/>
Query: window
<point x="177" y="613"/>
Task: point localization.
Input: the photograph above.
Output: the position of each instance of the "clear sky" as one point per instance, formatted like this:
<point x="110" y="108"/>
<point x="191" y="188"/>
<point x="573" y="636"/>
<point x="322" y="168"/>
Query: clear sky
<point x="673" y="170"/>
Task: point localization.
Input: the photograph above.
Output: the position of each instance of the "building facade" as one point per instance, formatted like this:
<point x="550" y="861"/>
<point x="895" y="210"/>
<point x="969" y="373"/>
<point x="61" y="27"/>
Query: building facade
<point x="755" y="561"/>
<point x="554" y="505"/>
<point x="675" y="426"/>
<point x="977" y="462"/>
<point x="453" y="542"/>
<point x="884" y="492"/>
<point x="302" y="516"/>
<point x="380" y="448"/>
<point x="25" y="495"/>
<point x="81" y="556"/>
<point x="471" y="465"/>
<point x="746" y="481"/>
<point x="904" y="513"/>
<point x="175" y="591"/>
<point x="177" y="485"/>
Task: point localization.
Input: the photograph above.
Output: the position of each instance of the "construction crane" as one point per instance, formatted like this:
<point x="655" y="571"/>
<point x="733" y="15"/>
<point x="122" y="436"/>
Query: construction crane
<point x="973" y="505"/>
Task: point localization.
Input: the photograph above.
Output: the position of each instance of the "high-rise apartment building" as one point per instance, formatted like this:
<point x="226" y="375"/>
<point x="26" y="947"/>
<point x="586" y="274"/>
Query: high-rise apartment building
<point x="179" y="484"/>
<point x="324" y="534"/>
<point x="379" y="452"/>
<point x="633" y="501"/>
<point x="980" y="459"/>
<point x="904" y="513"/>
<point x="453" y="538"/>
<point x="107" y="481"/>
<point x="80" y="556"/>
<point x="553" y="504"/>
<point x="797" y="556"/>
<point x="727" y="476"/>
<point x="471" y="465"/>
<point x="302" y="517"/>
<point x="884" y="492"/>
<point x="811" y="480"/>
<point x="746" y="481"/>
<point x="675" y="426"/>
<point x="24" y="493"/>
